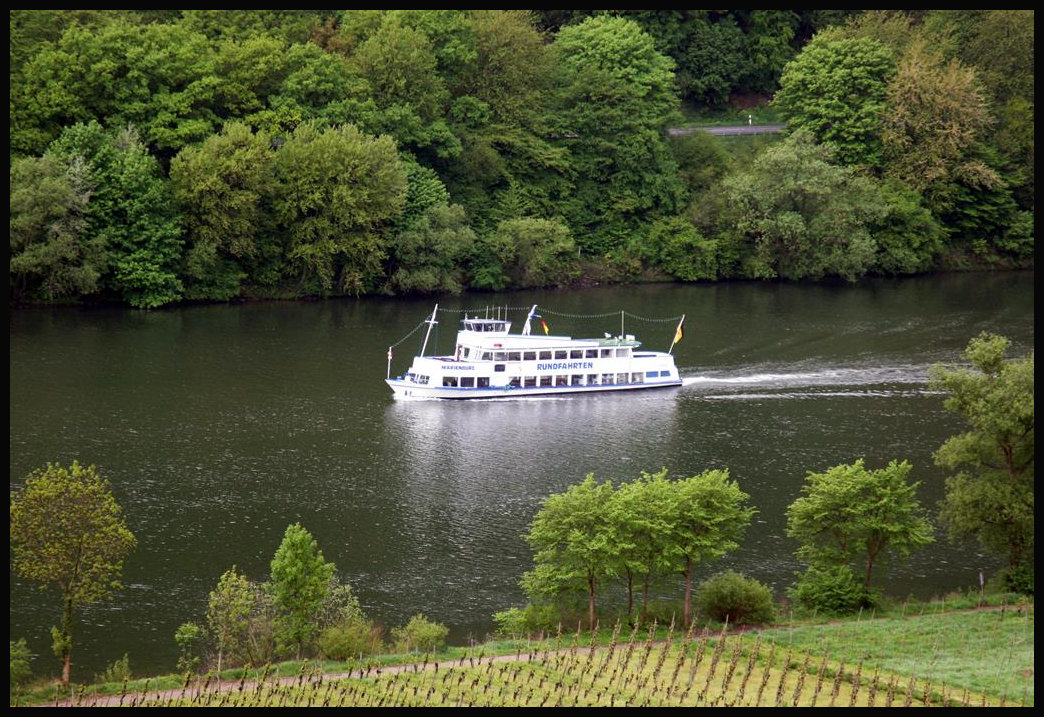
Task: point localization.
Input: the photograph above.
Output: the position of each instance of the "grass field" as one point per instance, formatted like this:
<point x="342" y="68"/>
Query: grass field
<point x="973" y="658"/>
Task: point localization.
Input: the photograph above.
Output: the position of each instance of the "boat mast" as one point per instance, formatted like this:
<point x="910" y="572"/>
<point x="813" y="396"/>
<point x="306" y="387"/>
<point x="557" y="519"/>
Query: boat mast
<point x="431" y="322"/>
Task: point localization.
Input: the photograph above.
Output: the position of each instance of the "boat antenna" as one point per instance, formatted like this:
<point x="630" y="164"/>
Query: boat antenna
<point x="430" y="322"/>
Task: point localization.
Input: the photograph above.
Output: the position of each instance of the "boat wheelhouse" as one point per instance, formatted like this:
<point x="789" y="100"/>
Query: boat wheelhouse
<point x="490" y="362"/>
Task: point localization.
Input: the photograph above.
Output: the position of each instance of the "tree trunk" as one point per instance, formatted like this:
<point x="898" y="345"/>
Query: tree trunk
<point x="591" y="602"/>
<point x="66" y="637"/>
<point x="687" y="618"/>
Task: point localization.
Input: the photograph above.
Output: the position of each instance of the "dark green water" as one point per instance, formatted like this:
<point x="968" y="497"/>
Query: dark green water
<point x="220" y="425"/>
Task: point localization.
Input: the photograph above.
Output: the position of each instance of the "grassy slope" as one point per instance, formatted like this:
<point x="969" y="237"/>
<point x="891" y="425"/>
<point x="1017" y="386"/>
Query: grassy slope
<point x="977" y="657"/>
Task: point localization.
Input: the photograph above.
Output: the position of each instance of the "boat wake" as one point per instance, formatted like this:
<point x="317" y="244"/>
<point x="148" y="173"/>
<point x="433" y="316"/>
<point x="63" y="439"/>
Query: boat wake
<point x="795" y="382"/>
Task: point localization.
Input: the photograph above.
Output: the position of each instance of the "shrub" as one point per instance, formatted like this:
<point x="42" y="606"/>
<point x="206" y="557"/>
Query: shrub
<point x="518" y="623"/>
<point x="189" y="638"/>
<point x="118" y="671"/>
<point x="350" y="638"/>
<point x="834" y="589"/>
<point x="738" y="599"/>
<point x="420" y="635"/>
<point x="20" y="656"/>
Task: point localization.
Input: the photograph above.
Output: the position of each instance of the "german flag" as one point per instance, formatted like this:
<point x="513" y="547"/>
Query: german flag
<point x="678" y="333"/>
<point x="544" y="324"/>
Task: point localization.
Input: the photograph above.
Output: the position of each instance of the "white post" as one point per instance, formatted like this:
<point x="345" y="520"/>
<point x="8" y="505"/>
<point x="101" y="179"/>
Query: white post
<point x="389" y="362"/>
<point x="431" y="322"/>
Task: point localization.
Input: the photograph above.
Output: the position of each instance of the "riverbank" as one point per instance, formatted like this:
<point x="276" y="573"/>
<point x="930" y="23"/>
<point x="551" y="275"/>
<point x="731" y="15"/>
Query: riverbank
<point x="925" y="654"/>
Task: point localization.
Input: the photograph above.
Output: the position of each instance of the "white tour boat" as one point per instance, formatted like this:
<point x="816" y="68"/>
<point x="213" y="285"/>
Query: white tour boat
<point x="490" y="362"/>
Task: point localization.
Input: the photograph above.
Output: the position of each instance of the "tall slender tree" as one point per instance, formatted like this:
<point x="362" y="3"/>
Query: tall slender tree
<point x="68" y="531"/>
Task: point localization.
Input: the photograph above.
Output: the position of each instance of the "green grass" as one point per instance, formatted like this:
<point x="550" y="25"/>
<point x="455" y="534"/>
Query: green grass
<point x="916" y="656"/>
<point x="988" y="651"/>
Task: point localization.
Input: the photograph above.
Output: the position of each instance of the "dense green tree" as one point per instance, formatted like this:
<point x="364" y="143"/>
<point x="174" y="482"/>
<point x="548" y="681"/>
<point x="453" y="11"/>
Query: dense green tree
<point x="401" y="67"/>
<point x="525" y="252"/>
<point x="990" y="497"/>
<point x="642" y="521"/>
<point x="294" y="26"/>
<point x="796" y="215"/>
<point x="224" y="188"/>
<point x="909" y="237"/>
<point x="852" y="515"/>
<point x="131" y="211"/>
<point x="836" y="89"/>
<point x="338" y="190"/>
<point x="430" y="255"/>
<point x="68" y="531"/>
<point x="52" y="256"/>
<point x="677" y="248"/>
<point x="616" y="98"/>
<point x="936" y="113"/>
<point x="572" y="541"/>
<point x="158" y="78"/>
<point x="228" y="614"/>
<point x="300" y="584"/>
<point x="709" y="514"/>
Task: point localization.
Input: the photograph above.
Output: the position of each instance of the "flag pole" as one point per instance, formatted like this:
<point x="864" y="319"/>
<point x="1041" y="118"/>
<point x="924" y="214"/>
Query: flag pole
<point x="677" y="334"/>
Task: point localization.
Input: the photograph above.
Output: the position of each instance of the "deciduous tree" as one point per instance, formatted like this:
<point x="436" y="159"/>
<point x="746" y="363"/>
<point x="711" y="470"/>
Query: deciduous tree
<point x="990" y="497"/>
<point x="68" y="531"/>
<point x="850" y="514"/>
<point x="300" y="584"/>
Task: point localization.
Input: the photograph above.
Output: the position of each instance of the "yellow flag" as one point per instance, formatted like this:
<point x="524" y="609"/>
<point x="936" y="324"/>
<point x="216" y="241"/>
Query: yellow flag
<point x="678" y="333"/>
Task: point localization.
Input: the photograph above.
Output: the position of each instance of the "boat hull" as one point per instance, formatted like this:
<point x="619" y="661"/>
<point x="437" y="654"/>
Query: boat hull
<point x="408" y="390"/>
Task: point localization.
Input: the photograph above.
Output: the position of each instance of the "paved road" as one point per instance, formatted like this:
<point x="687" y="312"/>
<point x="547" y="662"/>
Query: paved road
<point x="729" y="130"/>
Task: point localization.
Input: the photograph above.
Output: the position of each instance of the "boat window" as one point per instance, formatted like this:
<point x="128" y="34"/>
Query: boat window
<point x="514" y="356"/>
<point x="591" y="353"/>
<point x="576" y="379"/>
<point x="530" y="381"/>
<point x="545" y="355"/>
<point x="545" y="380"/>
<point x="665" y="373"/>
<point x="487" y="355"/>
<point x="561" y="354"/>
<point x="652" y="374"/>
<point x="421" y="378"/>
<point x="592" y="379"/>
<point x="607" y="378"/>
<point x="467" y="382"/>
<point x="636" y="378"/>
<point x="483" y="381"/>
<point x="515" y="382"/>
<point x="621" y="352"/>
<point x="621" y="378"/>
<point x="561" y="380"/>
<point x="607" y="353"/>
<point x="500" y="356"/>
<point x="529" y="355"/>
<point x="449" y="381"/>
<point x="498" y="367"/>
<point x="576" y="353"/>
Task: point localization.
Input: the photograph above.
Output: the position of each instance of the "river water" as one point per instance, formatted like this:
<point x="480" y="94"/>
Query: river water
<point x="218" y="426"/>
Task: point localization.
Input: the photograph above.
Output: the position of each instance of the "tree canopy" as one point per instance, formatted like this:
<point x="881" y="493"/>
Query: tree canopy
<point x="68" y="531"/>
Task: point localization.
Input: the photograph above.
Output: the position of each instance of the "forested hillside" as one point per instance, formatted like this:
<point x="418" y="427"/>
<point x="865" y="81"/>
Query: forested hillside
<point x="160" y="156"/>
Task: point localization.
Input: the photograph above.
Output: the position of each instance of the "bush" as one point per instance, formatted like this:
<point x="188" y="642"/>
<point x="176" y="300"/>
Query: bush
<point x="189" y="638"/>
<point x="350" y="638"/>
<point x="738" y="599"/>
<point x="118" y="671"/>
<point x="420" y="635"/>
<point x="517" y="623"/>
<point x="833" y="590"/>
<point x="20" y="656"/>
